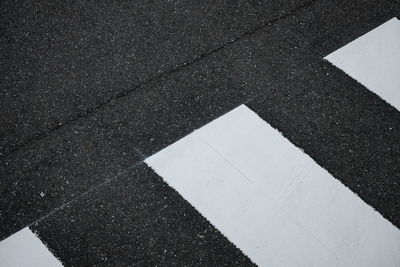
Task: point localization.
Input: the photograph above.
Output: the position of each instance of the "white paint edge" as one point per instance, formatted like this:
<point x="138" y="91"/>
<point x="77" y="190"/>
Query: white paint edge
<point x="25" y="249"/>
<point x="373" y="60"/>
<point x="271" y="200"/>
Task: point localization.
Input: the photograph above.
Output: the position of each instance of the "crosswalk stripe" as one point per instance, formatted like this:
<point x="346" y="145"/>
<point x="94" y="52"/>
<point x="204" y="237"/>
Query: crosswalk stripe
<point x="271" y="199"/>
<point x="229" y="168"/>
<point x="25" y="249"/>
<point x="373" y="60"/>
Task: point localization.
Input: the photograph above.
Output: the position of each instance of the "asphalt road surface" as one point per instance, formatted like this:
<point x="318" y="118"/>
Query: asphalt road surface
<point x="91" y="90"/>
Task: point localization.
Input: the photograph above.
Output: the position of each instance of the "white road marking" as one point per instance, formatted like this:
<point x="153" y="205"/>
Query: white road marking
<point x="374" y="61"/>
<point x="24" y="249"/>
<point x="271" y="199"/>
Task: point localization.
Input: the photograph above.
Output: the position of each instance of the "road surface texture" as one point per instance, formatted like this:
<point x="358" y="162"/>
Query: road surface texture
<point x="100" y="100"/>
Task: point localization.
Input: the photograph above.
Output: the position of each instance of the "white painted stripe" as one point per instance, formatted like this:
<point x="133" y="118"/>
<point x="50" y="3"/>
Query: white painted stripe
<point x="374" y="61"/>
<point x="271" y="199"/>
<point x="24" y="249"/>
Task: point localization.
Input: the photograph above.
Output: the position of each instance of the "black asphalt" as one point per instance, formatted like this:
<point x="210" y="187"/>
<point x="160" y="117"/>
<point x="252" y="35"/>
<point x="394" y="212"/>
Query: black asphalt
<point x="79" y="116"/>
<point x="136" y="220"/>
<point x="62" y="59"/>
<point x="63" y="163"/>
